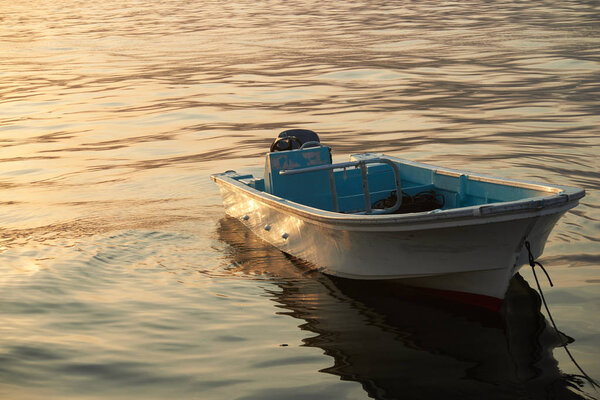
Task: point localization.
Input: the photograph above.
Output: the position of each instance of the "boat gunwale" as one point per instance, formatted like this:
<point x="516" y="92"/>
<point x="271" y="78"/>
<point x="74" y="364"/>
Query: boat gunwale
<point x="561" y="199"/>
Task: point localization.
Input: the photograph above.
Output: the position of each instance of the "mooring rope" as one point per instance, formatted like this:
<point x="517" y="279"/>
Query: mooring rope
<point x="533" y="264"/>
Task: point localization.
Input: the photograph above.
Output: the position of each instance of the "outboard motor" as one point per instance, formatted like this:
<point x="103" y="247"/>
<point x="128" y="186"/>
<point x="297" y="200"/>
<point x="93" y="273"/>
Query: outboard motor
<point x="294" y="139"/>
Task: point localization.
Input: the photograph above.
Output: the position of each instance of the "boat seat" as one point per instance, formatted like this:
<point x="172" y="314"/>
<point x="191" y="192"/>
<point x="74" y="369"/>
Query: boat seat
<point x="311" y="188"/>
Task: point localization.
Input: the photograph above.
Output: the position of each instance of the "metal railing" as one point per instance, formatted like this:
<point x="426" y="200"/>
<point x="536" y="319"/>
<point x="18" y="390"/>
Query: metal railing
<point x="362" y="164"/>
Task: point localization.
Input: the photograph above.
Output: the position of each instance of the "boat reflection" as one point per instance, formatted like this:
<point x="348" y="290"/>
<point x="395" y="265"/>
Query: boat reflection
<point x="399" y="342"/>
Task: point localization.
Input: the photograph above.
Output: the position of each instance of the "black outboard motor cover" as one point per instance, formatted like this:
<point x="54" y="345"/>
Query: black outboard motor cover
<point x="303" y="136"/>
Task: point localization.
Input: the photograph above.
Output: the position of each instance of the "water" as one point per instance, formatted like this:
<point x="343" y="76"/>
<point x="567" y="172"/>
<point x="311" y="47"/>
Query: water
<point x="120" y="276"/>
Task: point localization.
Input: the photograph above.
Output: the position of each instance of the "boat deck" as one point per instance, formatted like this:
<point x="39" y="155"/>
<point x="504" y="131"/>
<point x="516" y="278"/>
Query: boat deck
<point x="459" y="189"/>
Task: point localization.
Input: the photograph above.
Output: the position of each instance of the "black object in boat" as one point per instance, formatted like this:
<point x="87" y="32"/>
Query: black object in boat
<point x="423" y="201"/>
<point x="294" y="139"/>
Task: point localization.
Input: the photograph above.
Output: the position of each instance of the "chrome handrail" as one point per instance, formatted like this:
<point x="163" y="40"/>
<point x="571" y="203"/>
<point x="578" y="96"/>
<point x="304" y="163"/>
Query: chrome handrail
<point x="362" y="164"/>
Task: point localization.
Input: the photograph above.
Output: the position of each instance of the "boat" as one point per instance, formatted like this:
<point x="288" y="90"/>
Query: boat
<point x="377" y="217"/>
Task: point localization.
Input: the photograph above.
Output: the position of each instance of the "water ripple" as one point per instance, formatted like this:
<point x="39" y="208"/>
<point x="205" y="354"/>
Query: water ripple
<point x="114" y="264"/>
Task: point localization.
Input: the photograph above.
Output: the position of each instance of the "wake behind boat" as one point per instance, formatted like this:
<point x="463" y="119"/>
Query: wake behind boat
<point x="381" y="217"/>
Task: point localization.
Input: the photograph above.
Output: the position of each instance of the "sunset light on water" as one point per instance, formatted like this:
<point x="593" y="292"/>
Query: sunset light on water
<point x="120" y="275"/>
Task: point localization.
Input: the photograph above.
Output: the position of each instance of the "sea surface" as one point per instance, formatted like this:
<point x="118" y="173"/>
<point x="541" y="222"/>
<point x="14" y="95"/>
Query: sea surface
<point x="122" y="278"/>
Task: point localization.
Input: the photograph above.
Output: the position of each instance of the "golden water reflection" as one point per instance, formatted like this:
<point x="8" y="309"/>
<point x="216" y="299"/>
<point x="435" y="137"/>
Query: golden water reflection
<point x="113" y="115"/>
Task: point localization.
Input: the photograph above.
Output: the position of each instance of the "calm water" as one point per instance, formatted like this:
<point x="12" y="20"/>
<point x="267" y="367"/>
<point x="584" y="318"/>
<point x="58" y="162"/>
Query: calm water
<point x="120" y="276"/>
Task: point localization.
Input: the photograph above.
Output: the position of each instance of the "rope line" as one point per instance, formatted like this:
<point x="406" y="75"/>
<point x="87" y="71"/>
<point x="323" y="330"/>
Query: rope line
<point x="533" y="264"/>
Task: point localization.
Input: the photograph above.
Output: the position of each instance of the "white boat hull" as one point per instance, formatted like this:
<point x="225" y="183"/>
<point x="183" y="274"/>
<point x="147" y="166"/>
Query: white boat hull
<point x="478" y="258"/>
<point x="473" y="250"/>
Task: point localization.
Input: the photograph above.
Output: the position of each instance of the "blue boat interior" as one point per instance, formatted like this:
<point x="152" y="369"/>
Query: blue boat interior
<point x="314" y="188"/>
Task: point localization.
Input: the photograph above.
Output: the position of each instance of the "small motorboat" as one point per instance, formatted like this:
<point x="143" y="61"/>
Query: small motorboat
<point x="381" y="217"/>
